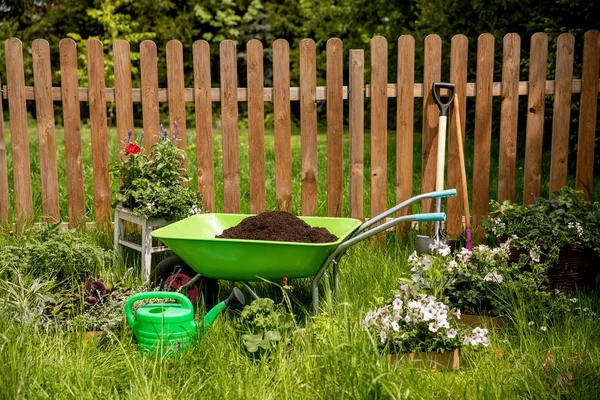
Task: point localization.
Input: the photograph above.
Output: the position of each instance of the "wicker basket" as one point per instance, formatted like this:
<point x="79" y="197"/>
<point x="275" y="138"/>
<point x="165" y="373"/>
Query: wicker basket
<point x="577" y="267"/>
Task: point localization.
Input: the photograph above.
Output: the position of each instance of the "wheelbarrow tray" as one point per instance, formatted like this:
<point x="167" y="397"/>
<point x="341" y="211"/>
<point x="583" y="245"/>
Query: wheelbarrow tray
<point x="193" y="239"/>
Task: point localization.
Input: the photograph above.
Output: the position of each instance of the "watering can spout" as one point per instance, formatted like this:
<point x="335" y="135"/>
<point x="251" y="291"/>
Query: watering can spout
<point x="236" y="297"/>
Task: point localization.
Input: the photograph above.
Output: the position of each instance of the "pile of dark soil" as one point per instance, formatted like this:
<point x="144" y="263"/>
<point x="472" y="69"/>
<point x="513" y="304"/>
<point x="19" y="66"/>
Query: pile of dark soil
<point x="278" y="226"/>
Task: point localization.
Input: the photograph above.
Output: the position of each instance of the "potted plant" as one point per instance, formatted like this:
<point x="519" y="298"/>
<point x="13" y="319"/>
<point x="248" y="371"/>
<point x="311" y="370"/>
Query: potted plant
<point x="417" y="327"/>
<point x="153" y="185"/>
<point x="560" y="235"/>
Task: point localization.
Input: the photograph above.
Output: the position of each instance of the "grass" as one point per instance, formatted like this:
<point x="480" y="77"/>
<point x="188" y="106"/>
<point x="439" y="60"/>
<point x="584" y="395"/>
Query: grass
<point x="331" y="358"/>
<point x="270" y="170"/>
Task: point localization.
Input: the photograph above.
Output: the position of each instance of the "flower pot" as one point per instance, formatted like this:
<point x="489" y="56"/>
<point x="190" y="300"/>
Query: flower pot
<point x="482" y="321"/>
<point x="440" y="361"/>
<point x="577" y="267"/>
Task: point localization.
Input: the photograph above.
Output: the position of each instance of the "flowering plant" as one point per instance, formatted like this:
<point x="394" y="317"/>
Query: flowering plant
<point x="154" y="184"/>
<point x="413" y="322"/>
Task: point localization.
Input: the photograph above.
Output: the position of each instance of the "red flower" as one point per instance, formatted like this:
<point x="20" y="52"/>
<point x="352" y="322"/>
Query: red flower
<point x="132" y="148"/>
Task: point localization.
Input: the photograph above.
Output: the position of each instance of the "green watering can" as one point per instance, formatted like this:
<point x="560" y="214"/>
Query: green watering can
<point x="169" y="327"/>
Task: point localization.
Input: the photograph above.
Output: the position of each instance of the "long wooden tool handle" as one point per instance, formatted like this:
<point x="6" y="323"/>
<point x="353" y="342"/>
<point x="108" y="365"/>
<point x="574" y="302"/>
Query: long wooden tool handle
<point x="461" y="157"/>
<point x="441" y="153"/>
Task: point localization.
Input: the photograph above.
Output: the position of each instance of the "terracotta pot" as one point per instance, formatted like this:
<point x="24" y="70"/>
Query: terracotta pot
<point x="482" y="321"/>
<point x="446" y="360"/>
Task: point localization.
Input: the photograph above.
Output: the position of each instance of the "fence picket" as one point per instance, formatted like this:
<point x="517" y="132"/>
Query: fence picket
<point x="458" y="76"/>
<point x="42" y="76"/>
<point x="123" y="93"/>
<point x="281" y="108"/>
<point x="176" y="93"/>
<point x="483" y="128"/>
<point x="587" y="113"/>
<point x="405" y="130"/>
<point x="308" y="125"/>
<point x="149" y="82"/>
<point x="511" y="61"/>
<point x="561" y="117"/>
<point x="431" y="116"/>
<point x="379" y="115"/>
<point x="535" y="117"/>
<point x="356" y="119"/>
<point x="335" y="128"/>
<point x="229" y="116"/>
<point x="256" y="126"/>
<point x="72" y="127"/>
<point x="4" y="201"/>
<point x="204" y="139"/>
<point x="15" y="77"/>
<point x="99" y="131"/>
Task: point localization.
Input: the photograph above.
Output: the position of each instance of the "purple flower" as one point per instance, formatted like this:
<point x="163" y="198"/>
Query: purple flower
<point x="176" y="125"/>
<point x="163" y="131"/>
<point x="535" y="202"/>
<point x="129" y="133"/>
<point x="552" y="203"/>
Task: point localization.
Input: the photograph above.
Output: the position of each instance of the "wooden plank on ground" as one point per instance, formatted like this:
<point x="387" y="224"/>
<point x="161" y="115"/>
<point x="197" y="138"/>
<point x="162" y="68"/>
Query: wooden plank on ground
<point x="587" y="113"/>
<point x="458" y="76"/>
<point x="431" y="116"/>
<point x="509" y="112"/>
<point x="281" y="109"/>
<point x="356" y="118"/>
<point x="483" y="130"/>
<point x="99" y="131"/>
<point x="335" y="128"/>
<point x="204" y="139"/>
<point x="15" y="77"/>
<point x="405" y="131"/>
<point x="175" y="93"/>
<point x="229" y="117"/>
<point x="561" y="116"/>
<point x="379" y="115"/>
<point x="4" y="202"/>
<point x="535" y="117"/>
<point x="72" y="127"/>
<point x="42" y="76"/>
<point x="123" y="93"/>
<point x="308" y="125"/>
<point x="256" y="126"/>
<point x="149" y="82"/>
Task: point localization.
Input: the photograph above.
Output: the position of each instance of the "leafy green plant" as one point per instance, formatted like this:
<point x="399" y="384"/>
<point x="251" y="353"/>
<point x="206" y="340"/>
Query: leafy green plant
<point x="265" y="325"/>
<point x="154" y="184"/>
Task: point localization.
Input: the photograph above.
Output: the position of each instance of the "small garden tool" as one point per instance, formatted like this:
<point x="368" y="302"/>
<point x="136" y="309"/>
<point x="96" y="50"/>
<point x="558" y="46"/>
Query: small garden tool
<point x="423" y="243"/>
<point x="463" y="175"/>
<point x="170" y="327"/>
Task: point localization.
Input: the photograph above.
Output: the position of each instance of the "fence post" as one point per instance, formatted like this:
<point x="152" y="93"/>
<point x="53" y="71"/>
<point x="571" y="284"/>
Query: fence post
<point x="308" y="125"/>
<point x="149" y="82"/>
<point x="281" y="109"/>
<point x="4" y="203"/>
<point x="356" y="109"/>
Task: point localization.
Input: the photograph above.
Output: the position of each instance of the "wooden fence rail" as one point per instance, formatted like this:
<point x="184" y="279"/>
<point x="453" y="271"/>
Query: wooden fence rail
<point x="229" y="94"/>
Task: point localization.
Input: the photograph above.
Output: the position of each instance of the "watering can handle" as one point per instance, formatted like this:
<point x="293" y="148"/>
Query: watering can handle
<point x="185" y="302"/>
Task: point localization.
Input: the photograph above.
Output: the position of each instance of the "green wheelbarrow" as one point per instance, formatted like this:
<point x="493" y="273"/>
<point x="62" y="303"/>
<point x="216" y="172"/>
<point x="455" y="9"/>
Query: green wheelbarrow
<point x="201" y="259"/>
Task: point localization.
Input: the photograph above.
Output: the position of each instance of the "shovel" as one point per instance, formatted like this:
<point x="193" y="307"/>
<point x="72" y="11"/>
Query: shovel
<point x="423" y="243"/>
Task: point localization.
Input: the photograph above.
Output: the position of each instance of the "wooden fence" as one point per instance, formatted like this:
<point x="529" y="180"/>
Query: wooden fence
<point x="203" y="94"/>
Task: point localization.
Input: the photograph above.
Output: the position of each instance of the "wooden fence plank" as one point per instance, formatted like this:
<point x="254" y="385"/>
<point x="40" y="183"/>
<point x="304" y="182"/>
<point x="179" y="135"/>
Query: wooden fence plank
<point x="281" y="108"/>
<point x="4" y="201"/>
<point x="72" y="127"/>
<point x="308" y="125"/>
<point x="204" y="139"/>
<point x="99" y="130"/>
<point x="561" y="116"/>
<point x="123" y="94"/>
<point x="483" y="129"/>
<point x="431" y="116"/>
<point x="229" y="116"/>
<point x="335" y="128"/>
<point x="42" y="75"/>
<point x="175" y="93"/>
<point x="458" y="76"/>
<point x="511" y="61"/>
<point x="357" y="131"/>
<point x="256" y="126"/>
<point x="149" y="95"/>
<point x="15" y="77"/>
<point x="587" y="113"/>
<point x="379" y="115"/>
<point x="405" y="131"/>
<point x="535" y="117"/>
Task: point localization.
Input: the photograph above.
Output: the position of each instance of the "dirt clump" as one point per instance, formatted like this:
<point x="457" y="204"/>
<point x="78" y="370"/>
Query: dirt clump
<point x="277" y="226"/>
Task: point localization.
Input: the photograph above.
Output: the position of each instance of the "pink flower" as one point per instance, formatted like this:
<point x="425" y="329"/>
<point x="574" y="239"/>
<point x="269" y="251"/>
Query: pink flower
<point x="452" y="333"/>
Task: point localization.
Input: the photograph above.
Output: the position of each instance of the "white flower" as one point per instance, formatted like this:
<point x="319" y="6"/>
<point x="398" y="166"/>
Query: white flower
<point x="534" y="253"/>
<point x="573" y="300"/>
<point x="413" y="258"/>
<point x="383" y="336"/>
<point x="452" y="264"/>
<point x="586" y="309"/>
<point x="451" y="333"/>
<point x="395" y="326"/>
<point x="397" y="304"/>
<point x="543" y="328"/>
<point x="530" y="323"/>
<point x="493" y="277"/>
<point x="456" y="314"/>
<point x="433" y="326"/>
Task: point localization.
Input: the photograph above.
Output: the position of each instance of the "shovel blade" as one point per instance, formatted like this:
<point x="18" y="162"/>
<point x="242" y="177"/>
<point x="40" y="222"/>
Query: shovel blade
<point x="423" y="243"/>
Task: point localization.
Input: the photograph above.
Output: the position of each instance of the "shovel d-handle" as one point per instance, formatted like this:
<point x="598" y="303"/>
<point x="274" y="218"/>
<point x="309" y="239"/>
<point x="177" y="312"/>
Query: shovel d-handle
<point x="183" y="299"/>
<point x="441" y="105"/>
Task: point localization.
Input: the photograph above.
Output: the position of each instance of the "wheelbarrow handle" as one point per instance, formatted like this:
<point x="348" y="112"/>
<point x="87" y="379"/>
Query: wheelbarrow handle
<point x="441" y="105"/>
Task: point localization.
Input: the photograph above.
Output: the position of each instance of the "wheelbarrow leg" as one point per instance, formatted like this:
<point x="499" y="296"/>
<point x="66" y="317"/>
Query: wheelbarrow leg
<point x="336" y="280"/>
<point x="315" y="294"/>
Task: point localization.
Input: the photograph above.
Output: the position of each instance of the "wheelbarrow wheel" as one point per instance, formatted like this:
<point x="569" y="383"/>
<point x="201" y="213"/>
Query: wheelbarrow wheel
<point x="172" y="273"/>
